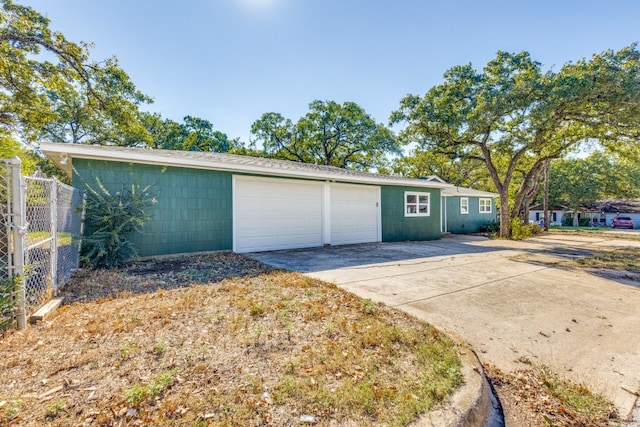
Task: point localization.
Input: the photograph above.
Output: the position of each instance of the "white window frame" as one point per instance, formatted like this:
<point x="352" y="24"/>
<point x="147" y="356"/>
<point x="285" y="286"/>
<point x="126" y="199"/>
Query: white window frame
<point x="464" y="205"/>
<point x="482" y="206"/>
<point x="417" y="204"/>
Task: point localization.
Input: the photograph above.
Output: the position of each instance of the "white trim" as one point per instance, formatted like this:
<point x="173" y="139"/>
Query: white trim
<point x="234" y="219"/>
<point x="453" y="190"/>
<point x="443" y="214"/>
<point x="480" y="206"/>
<point x="243" y="165"/>
<point x="418" y="195"/>
<point x="466" y="211"/>
<point x="326" y="213"/>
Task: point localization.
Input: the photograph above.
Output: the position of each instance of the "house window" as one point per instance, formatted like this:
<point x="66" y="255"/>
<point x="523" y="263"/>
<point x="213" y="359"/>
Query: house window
<point x="416" y="204"/>
<point x="464" y="205"/>
<point x="485" y="205"/>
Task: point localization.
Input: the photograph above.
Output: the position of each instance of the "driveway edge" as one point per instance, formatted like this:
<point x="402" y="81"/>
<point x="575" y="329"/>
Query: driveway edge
<point x="473" y="404"/>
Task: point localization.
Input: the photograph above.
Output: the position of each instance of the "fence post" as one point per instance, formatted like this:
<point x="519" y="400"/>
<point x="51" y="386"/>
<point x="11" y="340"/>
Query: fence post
<point x="53" y="209"/>
<point x="18" y="221"/>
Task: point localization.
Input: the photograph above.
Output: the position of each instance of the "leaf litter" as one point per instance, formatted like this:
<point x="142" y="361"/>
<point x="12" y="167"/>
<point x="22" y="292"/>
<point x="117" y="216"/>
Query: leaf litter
<point x="220" y="339"/>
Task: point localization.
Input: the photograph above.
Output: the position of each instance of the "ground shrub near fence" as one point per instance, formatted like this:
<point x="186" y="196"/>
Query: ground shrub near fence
<point x="7" y="301"/>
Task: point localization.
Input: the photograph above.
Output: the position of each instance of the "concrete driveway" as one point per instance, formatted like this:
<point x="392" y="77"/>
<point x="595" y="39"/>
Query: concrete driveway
<point x="502" y="298"/>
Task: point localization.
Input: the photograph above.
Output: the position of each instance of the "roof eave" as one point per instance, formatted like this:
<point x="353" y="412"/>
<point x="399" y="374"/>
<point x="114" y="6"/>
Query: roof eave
<point x="63" y="154"/>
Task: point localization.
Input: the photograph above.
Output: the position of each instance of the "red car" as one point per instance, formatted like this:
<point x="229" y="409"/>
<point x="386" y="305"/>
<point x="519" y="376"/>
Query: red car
<point x="622" y="222"/>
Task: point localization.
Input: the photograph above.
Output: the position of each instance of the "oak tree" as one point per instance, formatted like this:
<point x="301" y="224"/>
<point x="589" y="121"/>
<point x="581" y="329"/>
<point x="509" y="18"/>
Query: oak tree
<point x="341" y="135"/>
<point x="512" y="116"/>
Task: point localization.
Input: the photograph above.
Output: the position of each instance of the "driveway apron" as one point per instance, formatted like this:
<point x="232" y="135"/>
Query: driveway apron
<point x="503" y="298"/>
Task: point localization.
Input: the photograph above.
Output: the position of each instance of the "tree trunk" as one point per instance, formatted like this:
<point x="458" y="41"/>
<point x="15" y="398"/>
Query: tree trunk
<point x="505" y="226"/>
<point x="525" y="211"/>
<point x="576" y="221"/>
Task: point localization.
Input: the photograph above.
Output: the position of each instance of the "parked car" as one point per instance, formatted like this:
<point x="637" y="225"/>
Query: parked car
<point x="622" y="222"/>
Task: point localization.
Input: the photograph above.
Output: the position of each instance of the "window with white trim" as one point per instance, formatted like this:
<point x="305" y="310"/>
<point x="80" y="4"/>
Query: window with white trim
<point x="464" y="205"/>
<point x="485" y="205"/>
<point x="416" y="204"/>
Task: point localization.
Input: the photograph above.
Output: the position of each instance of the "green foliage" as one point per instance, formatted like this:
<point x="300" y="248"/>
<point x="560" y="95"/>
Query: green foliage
<point x="520" y="230"/>
<point x="195" y="134"/>
<point x="111" y="219"/>
<point x="54" y="409"/>
<point x="332" y="134"/>
<point x="513" y="117"/>
<point x="576" y="182"/>
<point x="367" y="306"/>
<point x="492" y="227"/>
<point x="461" y="172"/>
<point x="140" y="393"/>
<point x="7" y="301"/>
<point x="72" y="99"/>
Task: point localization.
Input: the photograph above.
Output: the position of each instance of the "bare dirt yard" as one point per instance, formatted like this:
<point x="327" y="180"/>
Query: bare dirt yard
<point x="221" y="340"/>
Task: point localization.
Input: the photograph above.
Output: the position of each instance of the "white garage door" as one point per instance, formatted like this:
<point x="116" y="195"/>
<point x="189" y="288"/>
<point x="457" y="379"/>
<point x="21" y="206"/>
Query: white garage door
<point x="271" y="214"/>
<point x="354" y="214"/>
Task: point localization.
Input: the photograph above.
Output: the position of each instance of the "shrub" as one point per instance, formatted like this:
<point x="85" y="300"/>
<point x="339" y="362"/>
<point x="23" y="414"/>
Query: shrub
<point x="7" y="301"/>
<point x="492" y="227"/>
<point x="584" y="222"/>
<point x="111" y="220"/>
<point x="520" y="230"/>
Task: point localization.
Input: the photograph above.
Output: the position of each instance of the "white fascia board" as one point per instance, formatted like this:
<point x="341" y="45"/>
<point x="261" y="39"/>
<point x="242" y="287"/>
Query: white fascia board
<point x="452" y="191"/>
<point x="95" y="153"/>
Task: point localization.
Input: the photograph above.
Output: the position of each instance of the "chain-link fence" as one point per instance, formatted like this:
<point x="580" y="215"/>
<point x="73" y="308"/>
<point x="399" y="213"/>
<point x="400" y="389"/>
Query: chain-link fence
<point x="42" y="222"/>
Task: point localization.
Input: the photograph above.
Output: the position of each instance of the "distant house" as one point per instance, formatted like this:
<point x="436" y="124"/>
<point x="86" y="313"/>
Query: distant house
<point x="216" y="201"/>
<point x="600" y="213"/>
<point x="613" y="208"/>
<point x="536" y="214"/>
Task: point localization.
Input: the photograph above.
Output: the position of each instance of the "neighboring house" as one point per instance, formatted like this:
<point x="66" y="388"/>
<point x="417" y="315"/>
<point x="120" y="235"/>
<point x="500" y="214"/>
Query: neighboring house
<point x="613" y="208"/>
<point x="213" y="201"/>
<point x="466" y="210"/>
<point x="601" y="213"/>
<point x="536" y="214"/>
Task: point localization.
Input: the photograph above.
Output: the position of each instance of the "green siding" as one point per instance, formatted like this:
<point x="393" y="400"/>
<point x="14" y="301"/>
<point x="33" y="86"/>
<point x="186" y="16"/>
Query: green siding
<point x="467" y="223"/>
<point x="396" y="227"/>
<point x="193" y="210"/>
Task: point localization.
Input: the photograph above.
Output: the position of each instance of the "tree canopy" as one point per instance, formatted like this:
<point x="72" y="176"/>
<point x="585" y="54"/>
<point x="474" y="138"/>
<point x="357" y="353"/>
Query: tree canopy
<point x="341" y="135"/>
<point x="513" y="117"/>
<point x="463" y="172"/>
<point x="51" y="88"/>
<point x="195" y="134"/>
<point x="576" y="182"/>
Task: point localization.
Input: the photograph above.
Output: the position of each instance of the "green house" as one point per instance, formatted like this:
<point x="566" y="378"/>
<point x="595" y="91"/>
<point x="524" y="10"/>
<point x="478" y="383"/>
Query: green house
<point x="214" y="201"/>
<point x="465" y="210"/>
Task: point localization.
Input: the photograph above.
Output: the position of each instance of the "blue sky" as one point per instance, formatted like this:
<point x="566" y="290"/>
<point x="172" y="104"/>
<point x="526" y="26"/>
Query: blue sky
<point x="230" y="61"/>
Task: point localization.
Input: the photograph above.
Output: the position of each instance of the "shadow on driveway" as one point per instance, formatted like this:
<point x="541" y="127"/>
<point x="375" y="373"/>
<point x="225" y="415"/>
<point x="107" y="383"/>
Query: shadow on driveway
<point x="331" y="257"/>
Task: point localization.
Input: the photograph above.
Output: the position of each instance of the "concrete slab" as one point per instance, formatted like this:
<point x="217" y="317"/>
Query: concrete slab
<point x="508" y="306"/>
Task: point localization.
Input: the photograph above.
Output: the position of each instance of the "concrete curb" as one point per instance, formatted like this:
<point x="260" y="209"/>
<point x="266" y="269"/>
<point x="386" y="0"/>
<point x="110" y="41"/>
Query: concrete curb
<point x="472" y="405"/>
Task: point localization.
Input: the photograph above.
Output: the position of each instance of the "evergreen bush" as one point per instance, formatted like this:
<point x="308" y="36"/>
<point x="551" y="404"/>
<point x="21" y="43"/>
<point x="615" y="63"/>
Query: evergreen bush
<point x="111" y="219"/>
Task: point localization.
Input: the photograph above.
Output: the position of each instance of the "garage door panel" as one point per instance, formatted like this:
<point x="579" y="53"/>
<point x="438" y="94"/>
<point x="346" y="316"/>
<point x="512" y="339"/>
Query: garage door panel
<point x="354" y="214"/>
<point x="273" y="214"/>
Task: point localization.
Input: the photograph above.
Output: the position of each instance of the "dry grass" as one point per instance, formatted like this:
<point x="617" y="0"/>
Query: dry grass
<point x="549" y="400"/>
<point x="623" y="259"/>
<point x="186" y="346"/>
